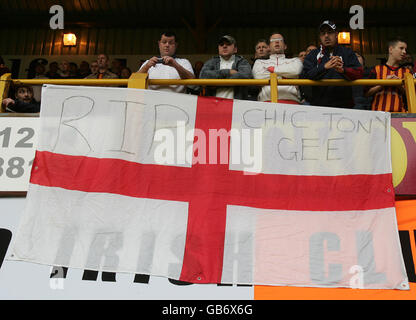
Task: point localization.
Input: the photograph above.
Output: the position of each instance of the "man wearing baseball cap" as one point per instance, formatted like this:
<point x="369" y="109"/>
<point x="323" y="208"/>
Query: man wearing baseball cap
<point x="331" y="61"/>
<point x="227" y="65"/>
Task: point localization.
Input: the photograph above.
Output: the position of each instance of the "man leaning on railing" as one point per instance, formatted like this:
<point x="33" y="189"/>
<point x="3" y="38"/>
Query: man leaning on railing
<point x="289" y="68"/>
<point x="391" y="99"/>
<point x="227" y="65"/>
<point x="331" y="61"/>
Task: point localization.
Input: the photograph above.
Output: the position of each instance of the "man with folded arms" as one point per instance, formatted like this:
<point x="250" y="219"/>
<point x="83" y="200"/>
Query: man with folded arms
<point x="284" y="68"/>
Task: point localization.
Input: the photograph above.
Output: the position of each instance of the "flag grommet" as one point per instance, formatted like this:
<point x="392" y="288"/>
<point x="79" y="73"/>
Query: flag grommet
<point x="405" y="285"/>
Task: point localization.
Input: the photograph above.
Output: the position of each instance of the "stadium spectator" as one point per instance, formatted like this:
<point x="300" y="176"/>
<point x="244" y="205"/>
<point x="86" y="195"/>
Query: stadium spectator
<point x="262" y="49"/>
<point x="192" y="89"/>
<point x="331" y="61"/>
<point x="408" y="58"/>
<point x="73" y="70"/>
<point x="227" y="65"/>
<point x="84" y="69"/>
<point x="116" y="67"/>
<point x="94" y="67"/>
<point x="102" y="70"/>
<point x="64" y="70"/>
<point x="310" y="48"/>
<point x="53" y="71"/>
<point x="282" y="66"/>
<point x="3" y="68"/>
<point x="302" y="55"/>
<point x="168" y="65"/>
<point x="23" y="102"/>
<point x="125" y="73"/>
<point x="40" y="71"/>
<point x="197" y="68"/>
<point x="390" y="99"/>
<point x="306" y="91"/>
<point x="409" y="64"/>
<point x="361" y="101"/>
<point x="31" y="72"/>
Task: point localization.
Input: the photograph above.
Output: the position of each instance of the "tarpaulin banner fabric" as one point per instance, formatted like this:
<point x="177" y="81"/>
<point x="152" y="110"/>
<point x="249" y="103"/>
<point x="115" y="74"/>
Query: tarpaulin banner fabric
<point x="209" y="190"/>
<point x="406" y="219"/>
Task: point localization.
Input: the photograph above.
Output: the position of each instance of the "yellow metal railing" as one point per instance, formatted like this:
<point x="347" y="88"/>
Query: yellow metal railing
<point x="4" y="88"/>
<point x="141" y="81"/>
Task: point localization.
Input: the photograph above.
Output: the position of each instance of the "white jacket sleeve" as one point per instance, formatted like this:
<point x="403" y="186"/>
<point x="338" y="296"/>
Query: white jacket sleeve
<point x="289" y="68"/>
<point x="260" y="69"/>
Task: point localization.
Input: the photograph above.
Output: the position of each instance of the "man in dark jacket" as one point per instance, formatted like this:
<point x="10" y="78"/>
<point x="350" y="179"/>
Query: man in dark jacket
<point x="331" y="61"/>
<point x="227" y="65"/>
<point x="24" y="102"/>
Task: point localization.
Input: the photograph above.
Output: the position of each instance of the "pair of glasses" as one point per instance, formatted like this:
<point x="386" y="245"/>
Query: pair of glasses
<point x="278" y="39"/>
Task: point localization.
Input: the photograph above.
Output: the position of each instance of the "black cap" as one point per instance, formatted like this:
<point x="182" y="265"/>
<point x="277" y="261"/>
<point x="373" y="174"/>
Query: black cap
<point x="228" y="39"/>
<point x="329" y="24"/>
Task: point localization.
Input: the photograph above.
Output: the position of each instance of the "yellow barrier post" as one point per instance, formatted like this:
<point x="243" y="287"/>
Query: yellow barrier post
<point x="4" y="88"/>
<point x="409" y="85"/>
<point x="274" y="95"/>
<point x="138" y="81"/>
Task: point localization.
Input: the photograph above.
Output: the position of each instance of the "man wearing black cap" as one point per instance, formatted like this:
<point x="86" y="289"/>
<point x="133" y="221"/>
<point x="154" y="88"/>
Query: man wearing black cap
<point x="227" y="65"/>
<point x="331" y="61"/>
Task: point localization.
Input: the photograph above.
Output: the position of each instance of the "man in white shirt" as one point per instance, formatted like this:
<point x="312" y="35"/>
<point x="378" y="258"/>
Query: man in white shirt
<point x="227" y="65"/>
<point x="167" y="65"/>
<point x="283" y="67"/>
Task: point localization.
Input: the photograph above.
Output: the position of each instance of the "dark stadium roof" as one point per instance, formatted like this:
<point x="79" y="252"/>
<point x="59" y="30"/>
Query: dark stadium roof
<point x="171" y="13"/>
<point x="132" y="27"/>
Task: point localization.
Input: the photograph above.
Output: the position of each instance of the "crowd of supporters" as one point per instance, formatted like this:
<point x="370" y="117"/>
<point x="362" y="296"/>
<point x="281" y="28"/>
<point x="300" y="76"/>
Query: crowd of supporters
<point x="326" y="60"/>
<point x="71" y="70"/>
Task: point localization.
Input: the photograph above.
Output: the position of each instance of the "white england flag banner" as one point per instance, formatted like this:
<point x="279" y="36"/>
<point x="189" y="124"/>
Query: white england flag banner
<point x="208" y="190"/>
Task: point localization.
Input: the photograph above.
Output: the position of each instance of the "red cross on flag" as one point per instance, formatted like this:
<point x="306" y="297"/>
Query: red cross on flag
<point x="209" y="190"/>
